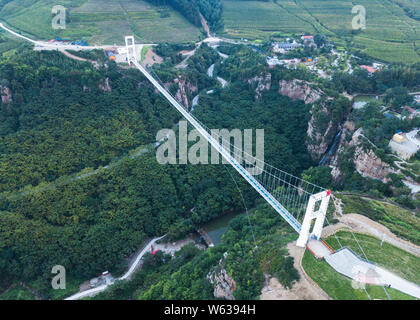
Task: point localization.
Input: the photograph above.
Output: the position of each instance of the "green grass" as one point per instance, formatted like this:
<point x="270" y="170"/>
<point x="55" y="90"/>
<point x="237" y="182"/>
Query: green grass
<point x="144" y="52"/>
<point x="400" y="221"/>
<point x="340" y="287"/>
<point x="390" y="34"/>
<point x="256" y="19"/>
<point x="367" y="99"/>
<point x="388" y="256"/>
<point x="17" y="293"/>
<point x="100" y="21"/>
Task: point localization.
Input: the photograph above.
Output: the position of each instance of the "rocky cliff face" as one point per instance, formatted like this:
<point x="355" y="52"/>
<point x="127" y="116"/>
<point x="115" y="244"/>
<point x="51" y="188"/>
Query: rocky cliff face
<point x="185" y="88"/>
<point x="299" y="90"/>
<point x="318" y="140"/>
<point x="224" y="285"/>
<point x="261" y="83"/>
<point x="319" y="136"/>
<point x="366" y="162"/>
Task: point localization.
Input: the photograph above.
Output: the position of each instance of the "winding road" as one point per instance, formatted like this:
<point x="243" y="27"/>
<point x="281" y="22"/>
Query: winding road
<point x="127" y="275"/>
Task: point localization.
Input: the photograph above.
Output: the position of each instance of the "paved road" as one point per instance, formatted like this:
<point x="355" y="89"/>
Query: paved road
<point x="347" y="263"/>
<point x="127" y="275"/>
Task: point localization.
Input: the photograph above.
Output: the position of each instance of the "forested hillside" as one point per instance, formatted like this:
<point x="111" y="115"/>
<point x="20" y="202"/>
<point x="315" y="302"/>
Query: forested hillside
<point x="72" y="193"/>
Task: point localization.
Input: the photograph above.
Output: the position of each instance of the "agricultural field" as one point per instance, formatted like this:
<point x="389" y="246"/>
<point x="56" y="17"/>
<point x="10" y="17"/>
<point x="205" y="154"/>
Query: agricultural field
<point x="101" y="21"/>
<point x="411" y="7"/>
<point x="391" y="35"/>
<point x="338" y="286"/>
<point x="256" y="19"/>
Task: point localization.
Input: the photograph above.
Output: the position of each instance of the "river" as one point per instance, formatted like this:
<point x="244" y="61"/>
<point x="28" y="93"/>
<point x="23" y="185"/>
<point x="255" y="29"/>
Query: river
<point x="216" y="228"/>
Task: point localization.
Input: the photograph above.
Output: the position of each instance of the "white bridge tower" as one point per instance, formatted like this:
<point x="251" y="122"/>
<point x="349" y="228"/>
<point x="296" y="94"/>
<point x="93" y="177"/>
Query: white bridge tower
<point x="316" y="210"/>
<point x="131" y="48"/>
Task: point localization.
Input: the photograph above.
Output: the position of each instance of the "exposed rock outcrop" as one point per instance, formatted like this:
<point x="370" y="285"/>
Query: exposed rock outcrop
<point x="299" y="90"/>
<point x="319" y="140"/>
<point x="348" y="129"/>
<point x="6" y="94"/>
<point x="367" y="163"/>
<point x="224" y="285"/>
<point x="104" y="85"/>
<point x="185" y="88"/>
<point x="365" y="160"/>
<point x="262" y="83"/>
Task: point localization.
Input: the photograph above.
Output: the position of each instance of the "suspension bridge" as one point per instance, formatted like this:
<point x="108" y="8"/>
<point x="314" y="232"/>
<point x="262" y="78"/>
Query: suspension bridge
<point x="297" y="201"/>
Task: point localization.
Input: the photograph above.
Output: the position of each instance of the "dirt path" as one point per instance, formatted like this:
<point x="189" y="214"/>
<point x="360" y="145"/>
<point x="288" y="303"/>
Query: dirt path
<point x="74" y="57"/>
<point x="151" y="58"/>
<point x="204" y="24"/>
<point x="126" y="276"/>
<point x="304" y="289"/>
<point x="361" y="224"/>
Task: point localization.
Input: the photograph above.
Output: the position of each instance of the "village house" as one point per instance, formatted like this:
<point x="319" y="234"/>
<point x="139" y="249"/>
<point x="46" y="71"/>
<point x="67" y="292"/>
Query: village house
<point x="282" y="47"/>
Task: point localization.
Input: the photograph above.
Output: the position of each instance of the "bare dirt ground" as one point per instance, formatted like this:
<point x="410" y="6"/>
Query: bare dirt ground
<point x="72" y="56"/>
<point x="172" y="247"/>
<point x="304" y="289"/>
<point x="361" y="224"/>
<point x="152" y="58"/>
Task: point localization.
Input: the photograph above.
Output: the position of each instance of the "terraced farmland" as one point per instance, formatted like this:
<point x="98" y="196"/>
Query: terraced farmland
<point x="391" y="35"/>
<point x="101" y="21"/>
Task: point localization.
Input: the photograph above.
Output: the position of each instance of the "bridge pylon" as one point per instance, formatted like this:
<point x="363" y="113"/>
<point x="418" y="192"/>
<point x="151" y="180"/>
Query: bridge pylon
<point x="316" y="210"/>
<point x="131" y="48"/>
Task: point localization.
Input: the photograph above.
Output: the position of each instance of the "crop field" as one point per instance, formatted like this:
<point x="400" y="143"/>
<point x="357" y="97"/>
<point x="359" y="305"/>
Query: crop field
<point x="255" y="19"/>
<point x="411" y="6"/>
<point x="392" y="34"/>
<point x="100" y="21"/>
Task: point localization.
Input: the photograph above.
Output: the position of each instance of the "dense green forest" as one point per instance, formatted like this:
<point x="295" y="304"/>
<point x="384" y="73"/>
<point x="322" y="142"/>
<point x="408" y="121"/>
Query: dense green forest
<point x="71" y="194"/>
<point x="184" y="277"/>
<point x="75" y="189"/>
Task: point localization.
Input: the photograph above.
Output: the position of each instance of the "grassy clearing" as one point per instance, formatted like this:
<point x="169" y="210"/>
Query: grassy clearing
<point x="17" y="293"/>
<point x="100" y="21"/>
<point x="388" y="256"/>
<point x="367" y="99"/>
<point x="400" y="221"/>
<point x="144" y="52"/>
<point x="340" y="287"/>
